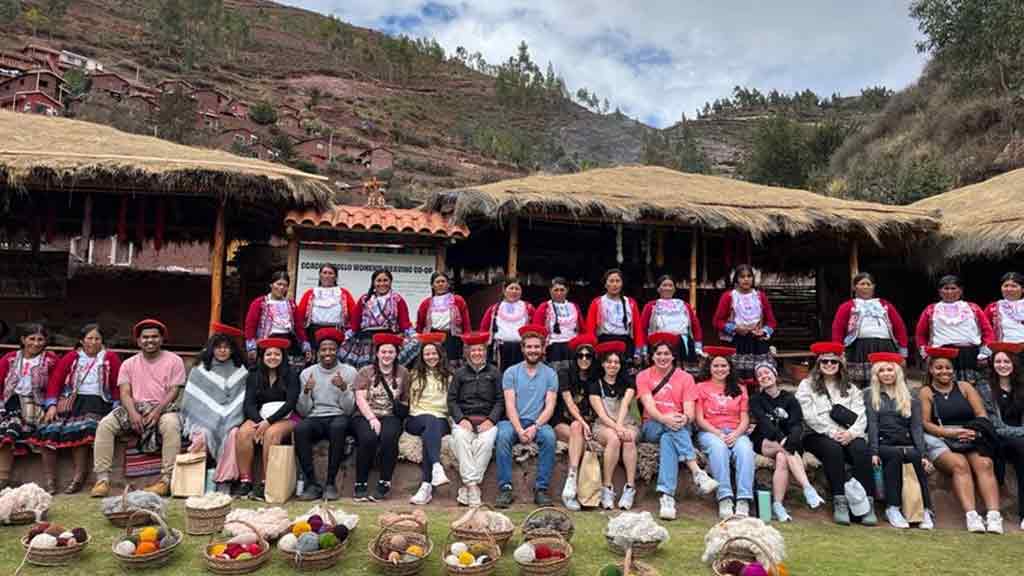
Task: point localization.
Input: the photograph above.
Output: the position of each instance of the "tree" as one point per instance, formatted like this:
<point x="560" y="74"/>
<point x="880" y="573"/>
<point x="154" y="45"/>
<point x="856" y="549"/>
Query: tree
<point x="282" y="144"/>
<point x="176" y="120"/>
<point x="35" y="20"/>
<point x="315" y="95"/>
<point x="9" y="11"/>
<point x="54" y="10"/>
<point x="263" y="113"/>
<point x="779" y="155"/>
<point x="77" y="82"/>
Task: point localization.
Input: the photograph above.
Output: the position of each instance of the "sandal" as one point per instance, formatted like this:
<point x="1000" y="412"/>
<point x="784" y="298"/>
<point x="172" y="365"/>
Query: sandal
<point x="75" y="486"/>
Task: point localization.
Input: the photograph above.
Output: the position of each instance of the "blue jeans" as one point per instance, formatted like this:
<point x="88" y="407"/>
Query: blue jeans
<point x="674" y="446"/>
<point x="507" y="438"/>
<point x="720" y="458"/>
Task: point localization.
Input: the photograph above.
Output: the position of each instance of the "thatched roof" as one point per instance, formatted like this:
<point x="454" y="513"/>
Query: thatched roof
<point x="654" y="194"/>
<point x="37" y="152"/>
<point x="984" y="220"/>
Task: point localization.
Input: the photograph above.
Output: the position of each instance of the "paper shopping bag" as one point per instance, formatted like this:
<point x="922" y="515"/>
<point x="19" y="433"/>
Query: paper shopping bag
<point x="280" y="474"/>
<point x="913" y="502"/>
<point x="588" y="483"/>
<point x="189" y="475"/>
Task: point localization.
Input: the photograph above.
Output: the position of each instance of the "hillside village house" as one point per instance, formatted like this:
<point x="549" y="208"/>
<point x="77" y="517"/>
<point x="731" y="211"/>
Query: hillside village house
<point x="13" y="64"/>
<point x="116" y="84"/>
<point x="175" y="86"/>
<point x="377" y="159"/>
<point x="316" y="150"/>
<point x="38" y="92"/>
<point x="238" y="108"/>
<point x="210" y="100"/>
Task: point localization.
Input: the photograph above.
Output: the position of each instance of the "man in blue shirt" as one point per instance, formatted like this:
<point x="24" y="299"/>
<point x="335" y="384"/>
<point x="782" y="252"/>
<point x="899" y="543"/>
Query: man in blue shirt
<point x="530" y="389"/>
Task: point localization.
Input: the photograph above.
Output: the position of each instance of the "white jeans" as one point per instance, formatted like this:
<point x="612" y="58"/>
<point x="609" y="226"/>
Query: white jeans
<point x="474" y="451"/>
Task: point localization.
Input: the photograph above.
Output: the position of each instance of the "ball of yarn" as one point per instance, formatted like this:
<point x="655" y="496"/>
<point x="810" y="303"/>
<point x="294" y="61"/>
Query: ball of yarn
<point x="734" y="567"/>
<point x="451" y="560"/>
<point x="781" y="569"/>
<point x="80" y="534"/>
<point x="55" y="530"/>
<point x="62" y="542"/>
<point x="67" y="535"/>
<point x="479" y="548"/>
<point x="315" y="522"/>
<point x="459" y="547"/>
<point x="300" y="528"/>
<point x="217" y="549"/>
<point x="149" y="534"/>
<point x="415" y="550"/>
<point x="611" y="570"/>
<point x="125" y="548"/>
<point x="234" y="550"/>
<point x="398" y="542"/>
<point x="542" y="551"/>
<point x="328" y="540"/>
<point x="287" y="543"/>
<point x="254" y="549"/>
<point x="754" y="569"/>
<point x="466" y="559"/>
<point x="308" y="542"/>
<point x="481" y="560"/>
<point x="243" y="556"/>
<point x="44" y="540"/>
<point x="341" y="532"/>
<point x="167" y="541"/>
<point x="37" y="529"/>
<point x="525" y="553"/>
<point x="145" y="548"/>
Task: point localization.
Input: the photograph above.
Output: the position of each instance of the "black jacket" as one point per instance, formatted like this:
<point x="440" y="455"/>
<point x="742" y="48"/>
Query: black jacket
<point x="777" y="418"/>
<point x="476" y="393"/>
<point x="257" y="393"/>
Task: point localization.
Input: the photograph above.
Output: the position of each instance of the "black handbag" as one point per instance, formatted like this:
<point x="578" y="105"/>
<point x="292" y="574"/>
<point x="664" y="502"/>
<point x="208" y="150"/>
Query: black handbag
<point x="842" y="415"/>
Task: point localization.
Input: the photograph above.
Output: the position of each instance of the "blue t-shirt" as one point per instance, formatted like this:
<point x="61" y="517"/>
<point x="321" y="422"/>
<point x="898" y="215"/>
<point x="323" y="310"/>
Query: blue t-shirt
<point x="530" y="392"/>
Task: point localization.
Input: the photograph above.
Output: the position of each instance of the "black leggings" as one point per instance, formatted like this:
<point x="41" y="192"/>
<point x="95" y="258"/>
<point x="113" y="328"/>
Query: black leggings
<point x="335" y="429"/>
<point x="834" y="457"/>
<point x="431" y="430"/>
<point x="1011" y="451"/>
<point x="893" y="459"/>
<point x="368" y="443"/>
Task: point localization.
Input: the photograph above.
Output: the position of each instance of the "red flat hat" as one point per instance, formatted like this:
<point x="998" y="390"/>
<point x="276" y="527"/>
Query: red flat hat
<point x="218" y="328"/>
<point x="725" y="351"/>
<point x="534" y="330"/>
<point x="582" y="340"/>
<point x="475" y="338"/>
<point x="663" y="337"/>
<point x="820" y="348"/>
<point x="940" y="352"/>
<point x="431" y="337"/>
<point x="329" y="334"/>
<point x="281" y="343"/>
<point x="1007" y="347"/>
<point x="149" y="323"/>
<point x="876" y="357"/>
<point x="611" y="346"/>
<point x="381" y="338"/>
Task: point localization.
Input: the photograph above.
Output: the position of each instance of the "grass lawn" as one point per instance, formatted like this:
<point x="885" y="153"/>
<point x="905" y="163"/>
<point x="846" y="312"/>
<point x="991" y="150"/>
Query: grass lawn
<point x="814" y="547"/>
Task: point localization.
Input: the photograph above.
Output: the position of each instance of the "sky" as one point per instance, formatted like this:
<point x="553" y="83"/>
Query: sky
<point x="658" y="59"/>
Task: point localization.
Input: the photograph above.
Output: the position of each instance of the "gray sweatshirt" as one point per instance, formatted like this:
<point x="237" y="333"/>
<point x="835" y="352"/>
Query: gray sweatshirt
<point x="327" y="399"/>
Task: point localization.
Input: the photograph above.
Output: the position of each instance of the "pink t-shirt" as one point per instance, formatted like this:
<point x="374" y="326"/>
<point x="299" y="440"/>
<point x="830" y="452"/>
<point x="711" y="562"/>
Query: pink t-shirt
<point x="151" y="380"/>
<point x="680" y="388"/>
<point x="720" y="410"/>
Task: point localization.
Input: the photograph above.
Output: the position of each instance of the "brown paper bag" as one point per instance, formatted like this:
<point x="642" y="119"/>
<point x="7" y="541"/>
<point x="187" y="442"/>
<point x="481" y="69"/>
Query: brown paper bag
<point x="913" y="502"/>
<point x="280" y="474"/>
<point x="189" y="475"/>
<point x="588" y="483"/>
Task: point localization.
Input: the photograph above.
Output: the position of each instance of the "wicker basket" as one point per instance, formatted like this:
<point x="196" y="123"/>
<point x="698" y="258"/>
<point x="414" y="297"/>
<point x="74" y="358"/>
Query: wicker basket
<point x="61" y="556"/>
<point x="548" y="511"/>
<point x="730" y="552"/>
<point x="406" y="523"/>
<point x="321" y="559"/>
<point x="550" y="567"/>
<point x="26" y="517"/>
<point x="156" y="559"/>
<point x="123" y="518"/>
<point x="203" y="522"/>
<point x="379" y="552"/>
<point x="493" y="550"/>
<point x="640" y="549"/>
<point x="501" y="537"/>
<point x="230" y="567"/>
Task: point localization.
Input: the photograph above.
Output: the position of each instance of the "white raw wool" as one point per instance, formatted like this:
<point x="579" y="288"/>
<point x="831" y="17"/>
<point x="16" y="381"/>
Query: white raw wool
<point x="137" y="500"/>
<point x="752" y="528"/>
<point x="208" y="501"/>
<point x="271" y="522"/>
<point x="479" y="520"/>
<point x="349" y="521"/>
<point x="25" y="498"/>
<point x="633" y="527"/>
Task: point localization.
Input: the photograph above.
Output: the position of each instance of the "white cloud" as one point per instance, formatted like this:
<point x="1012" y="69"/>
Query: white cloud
<point x="659" y="58"/>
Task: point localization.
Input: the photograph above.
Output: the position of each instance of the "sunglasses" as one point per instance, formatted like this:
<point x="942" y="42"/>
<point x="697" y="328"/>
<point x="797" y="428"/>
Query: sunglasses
<point x="585" y="355"/>
<point x="828" y="361"/>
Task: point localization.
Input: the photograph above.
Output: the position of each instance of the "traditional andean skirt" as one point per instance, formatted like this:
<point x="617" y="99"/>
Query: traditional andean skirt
<point x="750" y="352"/>
<point x="78" y="428"/>
<point x="358" y="350"/>
<point x="18" y="419"/>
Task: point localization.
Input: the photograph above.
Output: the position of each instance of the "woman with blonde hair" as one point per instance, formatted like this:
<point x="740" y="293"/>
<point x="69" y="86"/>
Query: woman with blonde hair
<point x="896" y="435"/>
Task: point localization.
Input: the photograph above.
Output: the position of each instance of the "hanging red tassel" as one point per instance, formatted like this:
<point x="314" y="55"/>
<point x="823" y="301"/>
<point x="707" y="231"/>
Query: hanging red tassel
<point x="51" y="220"/>
<point x="140" y="223"/>
<point x="122" y="221"/>
<point x="161" y="221"/>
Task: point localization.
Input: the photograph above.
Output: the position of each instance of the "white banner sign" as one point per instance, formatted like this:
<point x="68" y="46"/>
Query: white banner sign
<point x="411" y="272"/>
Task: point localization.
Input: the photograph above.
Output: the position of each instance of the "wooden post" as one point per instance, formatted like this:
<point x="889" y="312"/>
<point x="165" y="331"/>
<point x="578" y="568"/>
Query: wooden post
<point x="854" y="259"/>
<point x="693" y="269"/>
<point x="87" y="220"/>
<point x="293" y="261"/>
<point x="218" y="254"/>
<point x="440" y="258"/>
<point x="512" y="267"/>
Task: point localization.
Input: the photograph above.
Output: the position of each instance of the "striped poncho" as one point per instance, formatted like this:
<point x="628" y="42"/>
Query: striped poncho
<point x="213" y="402"/>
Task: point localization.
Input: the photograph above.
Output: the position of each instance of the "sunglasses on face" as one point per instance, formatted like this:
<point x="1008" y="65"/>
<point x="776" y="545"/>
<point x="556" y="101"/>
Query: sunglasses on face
<point x="829" y="361"/>
<point x="584" y="356"/>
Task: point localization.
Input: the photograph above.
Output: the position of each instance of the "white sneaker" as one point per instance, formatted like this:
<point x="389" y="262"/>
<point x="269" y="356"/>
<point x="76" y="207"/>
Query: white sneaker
<point x="474" y="496"/>
<point x="569" y="492"/>
<point x="780" y="512"/>
<point x="994" y="522"/>
<point x="705" y="483"/>
<point x="423" y="495"/>
<point x="895" y="518"/>
<point x="628" y="495"/>
<point x="667" y="510"/>
<point x="1022" y="524"/>
<point x="926" y="521"/>
<point x="812" y="498"/>
<point x="743" y="508"/>
<point x="974" y="522"/>
<point x="437" y="475"/>
<point x="725" y="508"/>
<point x="607" y="498"/>
<point x="463" y="496"/>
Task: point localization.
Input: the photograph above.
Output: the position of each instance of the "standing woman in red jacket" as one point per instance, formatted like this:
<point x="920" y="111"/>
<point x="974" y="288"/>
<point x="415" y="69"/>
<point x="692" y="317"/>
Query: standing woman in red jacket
<point x="953" y="323"/>
<point x="380" y="311"/>
<point x="674" y="316"/>
<point x="445" y="312"/>
<point x="275" y="315"/>
<point x="744" y="317"/>
<point x="503" y="321"/>
<point x="616" y="317"/>
<point x="1007" y="315"/>
<point x="82" y="390"/>
<point x="326" y="305"/>
<point x="867" y="324"/>
<point x="563" y="320"/>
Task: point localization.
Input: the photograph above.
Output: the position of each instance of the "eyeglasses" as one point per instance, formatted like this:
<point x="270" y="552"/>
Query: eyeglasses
<point x="584" y="356"/>
<point x="829" y="361"/>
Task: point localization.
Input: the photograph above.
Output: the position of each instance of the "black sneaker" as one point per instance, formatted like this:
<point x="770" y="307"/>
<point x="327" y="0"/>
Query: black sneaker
<point x="505" y="498"/>
<point x="331" y="493"/>
<point x="541" y="498"/>
<point x="225" y="488"/>
<point x="243" y="489"/>
<point x="311" y="492"/>
<point x="257" y="492"/>
<point x="383" y="490"/>
<point x="361" y="493"/>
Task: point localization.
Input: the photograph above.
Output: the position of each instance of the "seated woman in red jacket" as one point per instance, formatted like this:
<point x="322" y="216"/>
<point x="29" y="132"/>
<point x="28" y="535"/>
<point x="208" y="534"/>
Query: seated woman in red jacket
<point x="744" y="317"/>
<point x="867" y="324"/>
<point x="326" y="305"/>
<point x="954" y="323"/>
<point x="275" y="315"/>
<point x="616" y="317"/>
<point x="445" y="312"/>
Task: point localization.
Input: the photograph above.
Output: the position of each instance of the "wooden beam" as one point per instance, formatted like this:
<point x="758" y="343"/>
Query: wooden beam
<point x="87" y="219"/>
<point x="440" y="258"/>
<point x="218" y="255"/>
<point x="512" y="267"/>
<point x="693" y="269"/>
<point x="293" y="261"/>
<point x="854" y="259"/>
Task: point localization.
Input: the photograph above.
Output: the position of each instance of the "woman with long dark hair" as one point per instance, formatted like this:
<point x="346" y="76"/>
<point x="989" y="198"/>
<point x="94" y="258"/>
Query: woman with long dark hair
<point x="744" y="317"/>
<point x="503" y="320"/>
<point x="866" y="324"/>
<point x="380" y="311"/>
<point x="81" y="391"/>
<point x="616" y="317"/>
<point x="326" y="305"/>
<point x="573" y="416"/>
<point x="1003" y="393"/>
<point x="563" y="320"/>
<point x="428" y="411"/>
<point x="275" y="315"/>
<point x="672" y="315"/>
<point x="1007" y="314"/>
<point x="25" y="375"/>
<point x="446" y="313"/>
<point x="835" y="423"/>
<point x="611" y="396"/>
<point x="271" y="391"/>
<point x="954" y="323"/>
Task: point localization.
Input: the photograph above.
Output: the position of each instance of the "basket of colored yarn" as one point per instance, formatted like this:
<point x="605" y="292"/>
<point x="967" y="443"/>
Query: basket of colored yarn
<point x="202" y="521"/>
<point x="146" y="547"/>
<point x="122" y="518"/>
<point x="400" y="552"/>
<point x="479" y="524"/>
<point x="48" y="544"/>
<point x="242" y="554"/>
<point x="543" y="553"/>
<point x="739" y="557"/>
<point x="316" y="544"/>
<point x="548" y="518"/>
<point x="470" y="557"/>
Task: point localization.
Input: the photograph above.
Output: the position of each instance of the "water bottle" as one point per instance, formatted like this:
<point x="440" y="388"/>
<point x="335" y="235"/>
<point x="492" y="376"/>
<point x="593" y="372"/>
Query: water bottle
<point x="764" y="505"/>
<point x="876" y="473"/>
<point x="211" y="486"/>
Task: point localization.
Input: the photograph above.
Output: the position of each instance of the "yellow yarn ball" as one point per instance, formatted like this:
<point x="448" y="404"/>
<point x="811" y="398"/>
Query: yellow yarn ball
<point x="149" y="534"/>
<point x="415" y="550"/>
<point x="217" y="549"/>
<point x="300" y="528"/>
<point x="466" y="559"/>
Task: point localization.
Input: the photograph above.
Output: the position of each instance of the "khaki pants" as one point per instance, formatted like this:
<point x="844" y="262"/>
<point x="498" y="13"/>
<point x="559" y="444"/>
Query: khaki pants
<point x="474" y="452"/>
<point x="279" y="432"/>
<point x="110" y="428"/>
<point x="6" y="463"/>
